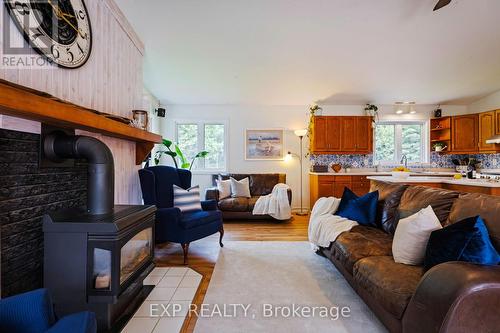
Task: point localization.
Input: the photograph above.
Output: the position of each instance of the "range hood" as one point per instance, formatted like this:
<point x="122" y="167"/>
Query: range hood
<point x="494" y="139"/>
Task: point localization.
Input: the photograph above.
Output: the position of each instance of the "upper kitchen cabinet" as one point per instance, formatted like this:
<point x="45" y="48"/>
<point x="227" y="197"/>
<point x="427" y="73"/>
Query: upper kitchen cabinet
<point x="341" y="135"/>
<point x="325" y="135"/>
<point x="364" y="135"/>
<point x="497" y="113"/>
<point x="465" y="134"/>
<point x="487" y="129"/>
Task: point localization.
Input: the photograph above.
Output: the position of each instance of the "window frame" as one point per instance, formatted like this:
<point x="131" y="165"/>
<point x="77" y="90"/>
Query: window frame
<point x="398" y="141"/>
<point x="201" y="140"/>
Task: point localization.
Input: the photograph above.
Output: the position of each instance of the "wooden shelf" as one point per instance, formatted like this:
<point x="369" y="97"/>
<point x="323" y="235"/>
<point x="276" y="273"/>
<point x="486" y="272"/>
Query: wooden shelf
<point x="19" y="101"/>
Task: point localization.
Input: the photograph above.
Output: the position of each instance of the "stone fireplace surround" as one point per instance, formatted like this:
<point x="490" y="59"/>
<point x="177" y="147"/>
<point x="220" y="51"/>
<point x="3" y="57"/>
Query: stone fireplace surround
<point x="27" y="192"/>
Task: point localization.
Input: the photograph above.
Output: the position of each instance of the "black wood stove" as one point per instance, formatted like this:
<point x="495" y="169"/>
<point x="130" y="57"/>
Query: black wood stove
<point x="96" y="257"/>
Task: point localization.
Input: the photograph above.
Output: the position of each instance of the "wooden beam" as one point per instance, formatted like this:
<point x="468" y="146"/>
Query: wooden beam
<point x="30" y="104"/>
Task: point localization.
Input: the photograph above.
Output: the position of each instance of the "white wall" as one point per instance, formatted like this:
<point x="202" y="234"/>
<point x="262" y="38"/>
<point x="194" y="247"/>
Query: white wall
<point x="287" y="117"/>
<point x="488" y="103"/>
<point x="240" y="118"/>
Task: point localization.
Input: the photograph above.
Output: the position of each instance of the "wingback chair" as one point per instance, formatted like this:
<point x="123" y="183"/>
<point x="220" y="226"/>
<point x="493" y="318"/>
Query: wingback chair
<point x="171" y="224"/>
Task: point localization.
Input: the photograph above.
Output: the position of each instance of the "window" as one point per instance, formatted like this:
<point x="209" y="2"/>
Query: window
<point x="395" y="139"/>
<point x="193" y="137"/>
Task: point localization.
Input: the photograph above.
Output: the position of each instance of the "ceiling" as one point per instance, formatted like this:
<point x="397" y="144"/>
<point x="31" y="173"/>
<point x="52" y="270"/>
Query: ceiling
<point x="295" y="52"/>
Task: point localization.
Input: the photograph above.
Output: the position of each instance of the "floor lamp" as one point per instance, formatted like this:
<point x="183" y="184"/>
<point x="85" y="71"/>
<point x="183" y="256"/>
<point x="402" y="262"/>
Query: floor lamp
<point x="301" y="133"/>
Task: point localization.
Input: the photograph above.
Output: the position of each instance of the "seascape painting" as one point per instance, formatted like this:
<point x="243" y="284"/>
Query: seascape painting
<point x="265" y="144"/>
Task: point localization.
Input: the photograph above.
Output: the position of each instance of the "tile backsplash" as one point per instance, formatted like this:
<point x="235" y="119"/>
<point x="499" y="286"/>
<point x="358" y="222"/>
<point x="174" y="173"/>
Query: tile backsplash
<point x="489" y="161"/>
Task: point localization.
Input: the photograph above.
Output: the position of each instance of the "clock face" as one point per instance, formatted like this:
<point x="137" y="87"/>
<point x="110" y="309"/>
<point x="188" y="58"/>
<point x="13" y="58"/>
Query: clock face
<point x="57" y="29"/>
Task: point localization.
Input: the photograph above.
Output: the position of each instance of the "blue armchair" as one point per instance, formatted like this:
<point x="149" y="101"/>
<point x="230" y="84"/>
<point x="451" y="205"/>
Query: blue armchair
<point x="32" y="312"/>
<point x="172" y="225"/>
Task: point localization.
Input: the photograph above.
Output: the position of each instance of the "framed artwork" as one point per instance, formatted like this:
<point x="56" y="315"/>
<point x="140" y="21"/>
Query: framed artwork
<point x="264" y="144"/>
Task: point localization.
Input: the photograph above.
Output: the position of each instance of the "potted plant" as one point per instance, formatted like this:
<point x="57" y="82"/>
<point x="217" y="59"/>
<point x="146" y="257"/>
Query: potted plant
<point x="439" y="147"/>
<point x="372" y="111"/>
<point x="314" y="110"/>
<point x="175" y="153"/>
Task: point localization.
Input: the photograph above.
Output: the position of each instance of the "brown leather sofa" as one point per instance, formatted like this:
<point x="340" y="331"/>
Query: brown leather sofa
<point x="451" y="297"/>
<point x="241" y="208"/>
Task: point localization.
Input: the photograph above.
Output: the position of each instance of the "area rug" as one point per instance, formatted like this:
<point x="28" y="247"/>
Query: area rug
<point x="280" y="287"/>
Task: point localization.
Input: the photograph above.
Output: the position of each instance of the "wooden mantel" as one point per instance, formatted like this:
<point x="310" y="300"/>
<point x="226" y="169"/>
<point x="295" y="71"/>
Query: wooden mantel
<point x="19" y="101"/>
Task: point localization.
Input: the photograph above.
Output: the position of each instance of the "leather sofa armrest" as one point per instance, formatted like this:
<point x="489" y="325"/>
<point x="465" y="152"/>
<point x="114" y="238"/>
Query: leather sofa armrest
<point x="455" y="297"/>
<point x="212" y="193"/>
<point x="209" y="205"/>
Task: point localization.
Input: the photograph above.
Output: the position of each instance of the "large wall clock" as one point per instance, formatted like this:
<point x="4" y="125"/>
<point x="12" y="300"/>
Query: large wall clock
<point x="58" y="29"/>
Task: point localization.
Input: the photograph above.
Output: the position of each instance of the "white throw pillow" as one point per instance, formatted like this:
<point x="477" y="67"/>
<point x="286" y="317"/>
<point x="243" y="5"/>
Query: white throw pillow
<point x="411" y="236"/>
<point x="187" y="200"/>
<point x="224" y="188"/>
<point x="240" y="188"/>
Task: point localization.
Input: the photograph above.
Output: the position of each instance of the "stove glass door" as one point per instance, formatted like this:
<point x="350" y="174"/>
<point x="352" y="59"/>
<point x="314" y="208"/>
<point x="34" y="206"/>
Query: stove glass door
<point x="133" y="254"/>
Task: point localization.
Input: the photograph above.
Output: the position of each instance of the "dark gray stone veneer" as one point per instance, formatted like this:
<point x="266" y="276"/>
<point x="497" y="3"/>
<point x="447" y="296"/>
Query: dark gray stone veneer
<point x="26" y="193"/>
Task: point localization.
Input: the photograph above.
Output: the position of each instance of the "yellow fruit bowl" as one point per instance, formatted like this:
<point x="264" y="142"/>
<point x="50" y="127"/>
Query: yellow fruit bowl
<point x="401" y="172"/>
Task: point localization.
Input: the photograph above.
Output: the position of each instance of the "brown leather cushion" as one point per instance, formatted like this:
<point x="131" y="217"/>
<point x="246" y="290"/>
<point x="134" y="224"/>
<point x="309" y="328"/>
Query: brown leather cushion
<point x="416" y="198"/>
<point x="260" y="183"/>
<point x="360" y="242"/>
<point x="486" y="206"/>
<point x="234" y="204"/>
<point x="251" y="203"/>
<point x="392" y="284"/>
<point x="389" y="196"/>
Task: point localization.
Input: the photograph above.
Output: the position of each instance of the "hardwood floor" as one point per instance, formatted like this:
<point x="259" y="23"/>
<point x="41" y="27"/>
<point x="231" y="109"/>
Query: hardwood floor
<point x="204" y="253"/>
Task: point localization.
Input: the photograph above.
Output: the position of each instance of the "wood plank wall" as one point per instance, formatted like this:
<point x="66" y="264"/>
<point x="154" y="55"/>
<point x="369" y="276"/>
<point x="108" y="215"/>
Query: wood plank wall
<point x="111" y="81"/>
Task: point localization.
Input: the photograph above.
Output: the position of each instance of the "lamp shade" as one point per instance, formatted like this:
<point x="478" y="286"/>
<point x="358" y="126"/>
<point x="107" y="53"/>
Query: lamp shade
<point x="300" y="132"/>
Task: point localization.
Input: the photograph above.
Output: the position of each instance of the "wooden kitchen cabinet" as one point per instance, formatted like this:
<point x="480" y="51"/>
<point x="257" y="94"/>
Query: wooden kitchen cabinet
<point x="341" y="135"/>
<point x="487" y="129"/>
<point x="333" y="185"/>
<point x="364" y="134"/>
<point x="465" y="134"/>
<point x="326" y="134"/>
<point x="325" y="188"/>
<point x="348" y="137"/>
<point x="497" y="116"/>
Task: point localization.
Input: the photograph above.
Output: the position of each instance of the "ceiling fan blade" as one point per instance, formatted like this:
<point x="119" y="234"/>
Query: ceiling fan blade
<point x="441" y="4"/>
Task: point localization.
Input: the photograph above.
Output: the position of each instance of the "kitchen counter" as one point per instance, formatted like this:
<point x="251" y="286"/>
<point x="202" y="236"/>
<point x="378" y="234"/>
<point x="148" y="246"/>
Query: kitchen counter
<point x="384" y="173"/>
<point x="437" y="180"/>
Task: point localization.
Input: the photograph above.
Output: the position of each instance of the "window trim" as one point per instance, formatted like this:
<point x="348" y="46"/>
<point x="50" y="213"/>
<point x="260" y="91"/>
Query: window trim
<point x="425" y="153"/>
<point x="201" y="143"/>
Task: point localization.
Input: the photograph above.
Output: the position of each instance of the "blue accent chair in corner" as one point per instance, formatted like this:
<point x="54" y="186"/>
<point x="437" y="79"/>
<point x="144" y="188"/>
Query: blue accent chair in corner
<point x="171" y="225"/>
<point x="32" y="312"/>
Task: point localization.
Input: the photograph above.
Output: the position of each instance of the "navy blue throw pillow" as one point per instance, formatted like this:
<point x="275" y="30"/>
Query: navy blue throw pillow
<point x="360" y="209"/>
<point x="467" y="240"/>
<point x="347" y="196"/>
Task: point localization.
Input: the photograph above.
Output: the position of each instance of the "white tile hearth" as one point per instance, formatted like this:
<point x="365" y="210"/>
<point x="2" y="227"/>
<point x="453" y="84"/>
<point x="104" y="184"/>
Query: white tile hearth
<point x="166" y="307"/>
<point x="170" y="281"/>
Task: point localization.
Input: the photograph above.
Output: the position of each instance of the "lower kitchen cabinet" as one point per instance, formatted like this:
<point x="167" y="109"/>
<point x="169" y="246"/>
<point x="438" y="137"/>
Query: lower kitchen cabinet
<point x="333" y="185"/>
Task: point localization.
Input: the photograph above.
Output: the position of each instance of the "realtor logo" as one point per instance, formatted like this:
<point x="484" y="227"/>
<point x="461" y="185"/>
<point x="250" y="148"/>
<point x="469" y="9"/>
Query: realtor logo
<point x="19" y="25"/>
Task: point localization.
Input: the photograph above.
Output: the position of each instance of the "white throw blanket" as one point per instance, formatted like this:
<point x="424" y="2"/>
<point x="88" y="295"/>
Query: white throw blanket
<point x="324" y="227"/>
<point x="275" y="204"/>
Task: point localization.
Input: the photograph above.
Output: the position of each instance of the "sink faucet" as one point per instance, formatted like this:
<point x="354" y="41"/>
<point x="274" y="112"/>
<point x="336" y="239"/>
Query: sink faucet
<point x="404" y="160"/>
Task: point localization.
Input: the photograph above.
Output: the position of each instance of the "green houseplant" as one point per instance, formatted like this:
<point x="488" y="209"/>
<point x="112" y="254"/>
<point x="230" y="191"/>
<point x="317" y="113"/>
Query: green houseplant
<point x="175" y="153"/>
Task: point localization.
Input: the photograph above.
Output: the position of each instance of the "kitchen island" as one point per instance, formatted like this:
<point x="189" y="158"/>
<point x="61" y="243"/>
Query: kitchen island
<point x="326" y="184"/>
<point x="461" y="185"/>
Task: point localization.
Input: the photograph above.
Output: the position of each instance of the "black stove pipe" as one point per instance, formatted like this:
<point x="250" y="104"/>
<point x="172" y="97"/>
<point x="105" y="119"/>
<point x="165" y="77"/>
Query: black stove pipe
<point x="100" y="181"/>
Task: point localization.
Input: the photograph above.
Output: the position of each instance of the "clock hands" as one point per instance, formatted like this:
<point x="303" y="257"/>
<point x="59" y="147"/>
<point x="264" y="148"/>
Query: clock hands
<point x="62" y="15"/>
